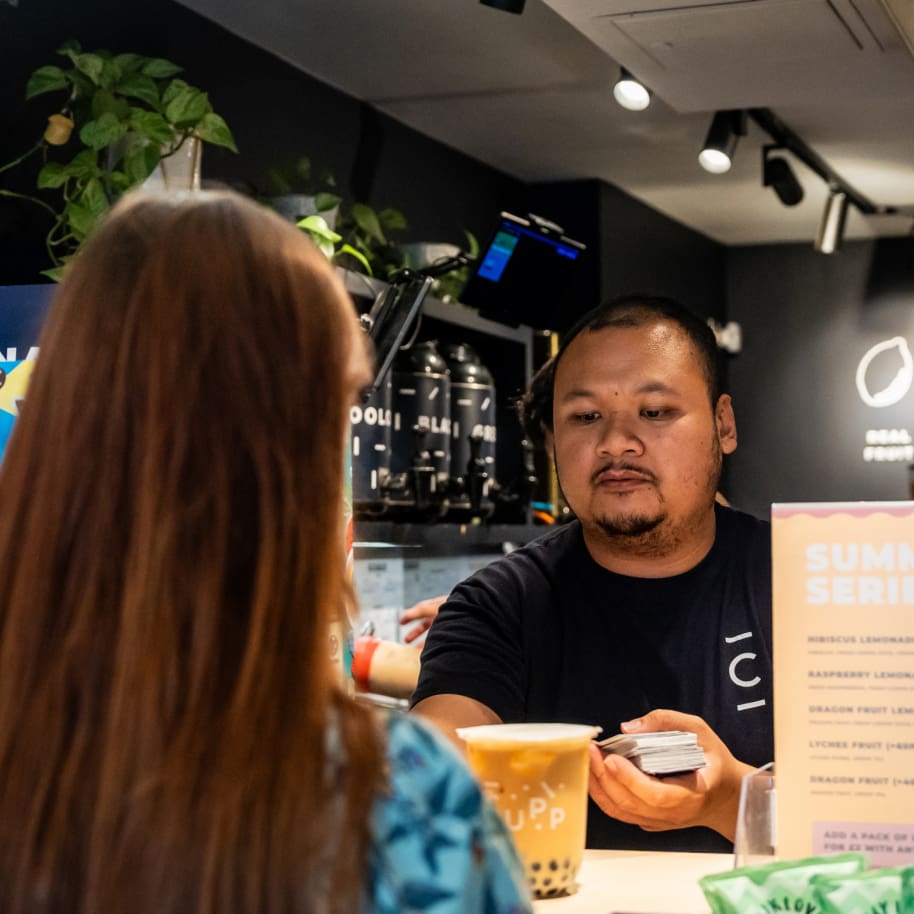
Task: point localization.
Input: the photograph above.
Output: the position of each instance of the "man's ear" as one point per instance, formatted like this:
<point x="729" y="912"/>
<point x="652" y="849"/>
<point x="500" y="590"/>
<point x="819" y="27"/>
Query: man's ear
<point x="726" y="424"/>
<point x="549" y="441"/>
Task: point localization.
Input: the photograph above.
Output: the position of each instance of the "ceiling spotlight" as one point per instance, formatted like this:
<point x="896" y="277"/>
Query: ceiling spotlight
<point x="778" y="175"/>
<point x="726" y="128"/>
<point x="831" y="228"/>
<point x="630" y="93"/>
<point x="509" y="6"/>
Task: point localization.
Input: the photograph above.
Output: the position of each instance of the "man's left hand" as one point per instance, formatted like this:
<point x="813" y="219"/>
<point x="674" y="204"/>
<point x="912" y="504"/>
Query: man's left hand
<point x="708" y="796"/>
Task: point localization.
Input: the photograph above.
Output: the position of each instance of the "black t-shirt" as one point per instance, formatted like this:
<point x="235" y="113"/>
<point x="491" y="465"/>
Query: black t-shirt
<point x="547" y="634"/>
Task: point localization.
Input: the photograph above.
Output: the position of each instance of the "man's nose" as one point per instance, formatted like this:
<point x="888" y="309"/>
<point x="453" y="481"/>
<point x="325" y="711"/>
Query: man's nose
<point x="619" y="436"/>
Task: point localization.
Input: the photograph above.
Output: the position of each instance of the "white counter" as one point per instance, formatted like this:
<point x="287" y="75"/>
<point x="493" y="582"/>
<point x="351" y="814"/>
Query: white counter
<point x="638" y="882"/>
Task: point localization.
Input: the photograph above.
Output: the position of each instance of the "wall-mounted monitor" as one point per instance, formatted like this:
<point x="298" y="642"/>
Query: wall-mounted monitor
<point x="523" y="272"/>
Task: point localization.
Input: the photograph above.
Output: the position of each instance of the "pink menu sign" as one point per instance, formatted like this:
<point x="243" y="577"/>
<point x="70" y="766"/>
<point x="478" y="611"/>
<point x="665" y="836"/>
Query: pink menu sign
<point x="843" y="629"/>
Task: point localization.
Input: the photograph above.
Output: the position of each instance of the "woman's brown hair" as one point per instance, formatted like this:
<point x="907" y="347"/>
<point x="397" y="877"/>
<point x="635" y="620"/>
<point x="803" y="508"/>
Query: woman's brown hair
<point x="171" y="560"/>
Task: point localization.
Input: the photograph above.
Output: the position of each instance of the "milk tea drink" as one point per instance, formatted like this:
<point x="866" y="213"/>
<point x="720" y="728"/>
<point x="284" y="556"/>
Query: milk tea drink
<point x="536" y="776"/>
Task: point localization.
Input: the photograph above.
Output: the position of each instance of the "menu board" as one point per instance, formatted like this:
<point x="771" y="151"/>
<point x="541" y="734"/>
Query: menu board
<point x="843" y="630"/>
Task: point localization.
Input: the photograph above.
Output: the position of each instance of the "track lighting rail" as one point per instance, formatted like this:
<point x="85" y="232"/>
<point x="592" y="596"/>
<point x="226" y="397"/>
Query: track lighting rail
<point x="784" y="136"/>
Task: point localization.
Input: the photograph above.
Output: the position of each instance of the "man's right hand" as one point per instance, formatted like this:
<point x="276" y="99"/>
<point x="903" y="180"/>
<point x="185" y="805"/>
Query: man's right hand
<point x="708" y="796"/>
<point x="424" y="611"/>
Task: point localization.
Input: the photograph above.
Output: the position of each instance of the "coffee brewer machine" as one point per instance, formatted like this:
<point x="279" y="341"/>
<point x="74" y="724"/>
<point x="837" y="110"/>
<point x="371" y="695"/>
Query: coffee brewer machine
<point x="473" y="433"/>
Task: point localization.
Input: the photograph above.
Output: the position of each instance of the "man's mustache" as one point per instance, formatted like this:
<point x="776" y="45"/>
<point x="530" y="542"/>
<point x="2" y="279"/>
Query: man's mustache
<point x="616" y="467"/>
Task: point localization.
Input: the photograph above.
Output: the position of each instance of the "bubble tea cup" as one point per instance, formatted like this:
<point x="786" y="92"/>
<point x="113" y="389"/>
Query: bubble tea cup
<point x="536" y="777"/>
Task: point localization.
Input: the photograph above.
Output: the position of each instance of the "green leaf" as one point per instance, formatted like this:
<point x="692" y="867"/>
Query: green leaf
<point x="120" y="183"/>
<point x="214" y="130"/>
<point x="160" y="69"/>
<point x="349" y="250"/>
<point x="138" y="85"/>
<point x="45" y="79"/>
<point x="93" y="198"/>
<point x="172" y="90"/>
<point x="129" y="63"/>
<point x="472" y="243"/>
<point x="71" y="45"/>
<point x="100" y="133"/>
<point x="367" y="220"/>
<point x="52" y="174"/>
<point x="187" y="107"/>
<point x="140" y="162"/>
<point x="317" y="228"/>
<point x="110" y="74"/>
<point x="325" y="247"/>
<point x="151" y="126"/>
<point x="55" y="274"/>
<point x="392" y="220"/>
<point x="324" y="201"/>
<point x="84" y="165"/>
<point x="104" y="102"/>
<point x="83" y="87"/>
<point x="90" y="64"/>
<point x="81" y="219"/>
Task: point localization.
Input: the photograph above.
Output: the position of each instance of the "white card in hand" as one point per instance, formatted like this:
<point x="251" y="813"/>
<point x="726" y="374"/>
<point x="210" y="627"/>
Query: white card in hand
<point x="658" y="753"/>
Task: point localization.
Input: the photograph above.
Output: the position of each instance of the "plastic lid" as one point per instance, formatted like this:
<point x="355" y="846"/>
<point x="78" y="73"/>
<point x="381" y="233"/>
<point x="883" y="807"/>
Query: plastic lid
<point x="528" y="733"/>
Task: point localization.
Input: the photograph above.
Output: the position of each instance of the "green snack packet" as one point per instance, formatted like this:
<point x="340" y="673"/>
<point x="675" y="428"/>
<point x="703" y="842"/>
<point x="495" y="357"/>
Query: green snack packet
<point x="907" y="890"/>
<point x="783" y="887"/>
<point x="873" y="892"/>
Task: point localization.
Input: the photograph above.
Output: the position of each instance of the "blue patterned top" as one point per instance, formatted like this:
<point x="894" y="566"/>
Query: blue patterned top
<point x="438" y="846"/>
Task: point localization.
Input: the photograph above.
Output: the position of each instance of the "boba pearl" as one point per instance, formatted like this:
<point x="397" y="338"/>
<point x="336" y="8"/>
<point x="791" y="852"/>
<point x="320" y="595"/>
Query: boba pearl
<point x="549" y="878"/>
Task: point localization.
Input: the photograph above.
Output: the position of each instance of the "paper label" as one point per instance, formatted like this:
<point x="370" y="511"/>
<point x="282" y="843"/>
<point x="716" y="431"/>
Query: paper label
<point x="843" y="631"/>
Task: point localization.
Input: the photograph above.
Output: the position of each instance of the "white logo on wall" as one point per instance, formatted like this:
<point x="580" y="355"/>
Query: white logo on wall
<point x="887" y="445"/>
<point x="899" y="385"/>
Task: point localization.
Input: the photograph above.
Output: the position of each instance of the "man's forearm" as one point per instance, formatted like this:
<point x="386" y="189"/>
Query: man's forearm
<point x="448" y="712"/>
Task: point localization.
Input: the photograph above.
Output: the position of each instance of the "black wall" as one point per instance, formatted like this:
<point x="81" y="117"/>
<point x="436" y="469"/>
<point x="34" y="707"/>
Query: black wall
<point x="807" y="321"/>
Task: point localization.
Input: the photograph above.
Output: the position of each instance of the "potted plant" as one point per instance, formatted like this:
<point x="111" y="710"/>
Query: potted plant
<point x="121" y="117"/>
<point x="329" y="241"/>
<point x="422" y="254"/>
<point x="362" y="242"/>
<point x="296" y="191"/>
<point x="369" y="232"/>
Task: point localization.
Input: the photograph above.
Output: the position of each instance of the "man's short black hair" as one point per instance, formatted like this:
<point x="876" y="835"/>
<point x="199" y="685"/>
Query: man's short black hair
<point x="632" y="310"/>
<point x="534" y="408"/>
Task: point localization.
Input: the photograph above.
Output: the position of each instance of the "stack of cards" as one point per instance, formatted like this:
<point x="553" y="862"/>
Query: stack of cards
<point x="662" y="753"/>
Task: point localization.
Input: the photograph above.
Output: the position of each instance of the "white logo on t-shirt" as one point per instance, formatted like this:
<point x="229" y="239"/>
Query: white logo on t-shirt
<point x="742" y="677"/>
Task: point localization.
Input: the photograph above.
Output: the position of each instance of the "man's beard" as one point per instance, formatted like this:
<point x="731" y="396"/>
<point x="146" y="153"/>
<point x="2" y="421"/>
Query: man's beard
<point x="629" y="526"/>
<point x="649" y="534"/>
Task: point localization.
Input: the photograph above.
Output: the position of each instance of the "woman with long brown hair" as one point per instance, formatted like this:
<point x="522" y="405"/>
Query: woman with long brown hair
<point x="173" y="739"/>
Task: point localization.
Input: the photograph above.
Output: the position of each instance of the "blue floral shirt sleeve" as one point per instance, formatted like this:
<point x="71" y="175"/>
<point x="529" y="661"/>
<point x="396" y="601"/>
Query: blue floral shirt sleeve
<point x="437" y="844"/>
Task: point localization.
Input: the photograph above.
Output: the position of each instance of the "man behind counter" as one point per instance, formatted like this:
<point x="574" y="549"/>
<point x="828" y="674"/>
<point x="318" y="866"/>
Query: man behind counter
<point x="654" y="598"/>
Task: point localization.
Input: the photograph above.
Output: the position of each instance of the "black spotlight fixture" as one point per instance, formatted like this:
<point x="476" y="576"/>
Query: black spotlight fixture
<point x="630" y="92"/>
<point x="507" y="6"/>
<point x="778" y="175"/>
<point x="726" y="128"/>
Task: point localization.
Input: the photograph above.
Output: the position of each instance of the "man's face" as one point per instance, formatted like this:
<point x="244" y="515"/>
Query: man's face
<point x="638" y="443"/>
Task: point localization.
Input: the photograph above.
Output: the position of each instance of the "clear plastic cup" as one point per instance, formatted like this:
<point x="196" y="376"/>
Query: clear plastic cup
<point x="756" y="820"/>
<point x="536" y="776"/>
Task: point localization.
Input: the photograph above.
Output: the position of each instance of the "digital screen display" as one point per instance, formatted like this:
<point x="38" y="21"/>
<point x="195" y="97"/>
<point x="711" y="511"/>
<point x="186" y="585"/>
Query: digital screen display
<point x="522" y="273"/>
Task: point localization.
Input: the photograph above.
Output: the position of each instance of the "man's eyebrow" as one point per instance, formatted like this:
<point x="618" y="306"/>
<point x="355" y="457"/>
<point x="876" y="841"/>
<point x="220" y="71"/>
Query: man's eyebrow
<point x="576" y="394"/>
<point x="657" y="387"/>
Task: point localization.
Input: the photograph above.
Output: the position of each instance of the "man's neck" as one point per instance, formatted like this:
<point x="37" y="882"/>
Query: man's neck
<point x="657" y="554"/>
